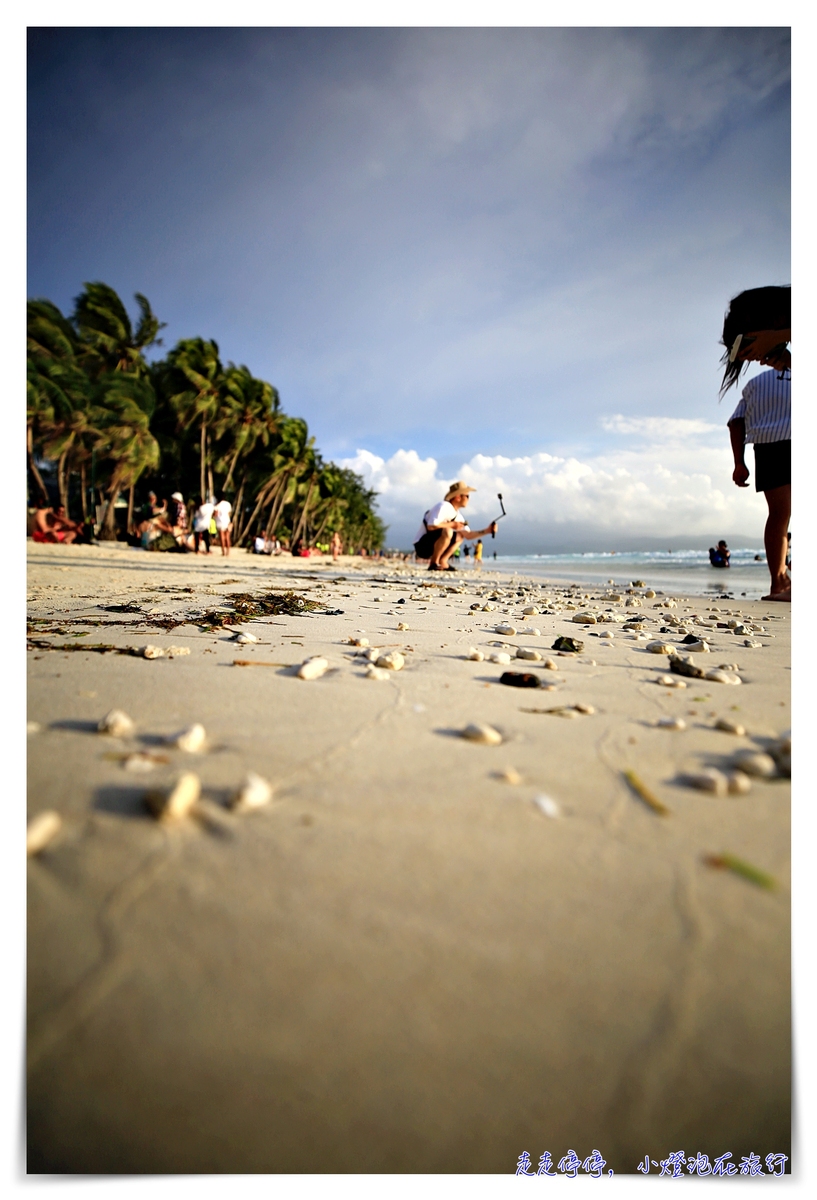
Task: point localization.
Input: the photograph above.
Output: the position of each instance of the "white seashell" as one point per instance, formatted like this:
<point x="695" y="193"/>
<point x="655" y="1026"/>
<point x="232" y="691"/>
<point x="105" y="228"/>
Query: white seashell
<point x="372" y="654"/>
<point x="500" y="658"/>
<point x="152" y="652"/>
<point x="729" y="667"/>
<point x="41" y="830"/>
<point x="190" y="740"/>
<point x="661" y="648"/>
<point x="670" y="681"/>
<point x="709" y="780"/>
<point x="607" y="634"/>
<point x="176" y="801"/>
<point x="547" y="805"/>
<point x="245" y="638"/>
<point x="727" y="726"/>
<point x="631" y="602"/>
<point x="313" y="668"/>
<point x="697" y="648"/>
<point x="550" y="665"/>
<point x="475" y="655"/>
<point x="671" y="723"/>
<point x="393" y="661"/>
<point x="488" y="608"/>
<point x="254" y="792"/>
<point x="505" y="630"/>
<point x="739" y="783"/>
<point x="401" y="625"/>
<point x="358" y="641"/>
<point x="33" y="727"/>
<point x="586" y="709"/>
<point x="178" y="651"/>
<point x="719" y="676"/>
<point x="754" y="762"/>
<point x="139" y="761"/>
<point x="584" y="618"/>
<point x="381" y="673"/>
<point x="752" y="645"/>
<point x="531" y="611"/>
<point x="509" y="775"/>
<point x="486" y="735"/>
<point x="117" y="724"/>
<point x="531" y="655"/>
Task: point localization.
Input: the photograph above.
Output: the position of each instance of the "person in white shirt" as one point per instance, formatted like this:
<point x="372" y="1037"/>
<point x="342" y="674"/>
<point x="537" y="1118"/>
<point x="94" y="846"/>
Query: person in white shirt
<point x="444" y="527"/>
<point x="201" y="524"/>
<point x="222" y="513"/>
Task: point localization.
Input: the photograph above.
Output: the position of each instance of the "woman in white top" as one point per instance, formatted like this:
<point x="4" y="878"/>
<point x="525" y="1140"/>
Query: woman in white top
<point x="201" y="524"/>
<point x="224" y="523"/>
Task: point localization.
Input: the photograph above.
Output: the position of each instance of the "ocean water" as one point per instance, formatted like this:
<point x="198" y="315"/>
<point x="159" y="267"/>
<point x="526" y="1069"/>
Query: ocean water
<point x="687" y="572"/>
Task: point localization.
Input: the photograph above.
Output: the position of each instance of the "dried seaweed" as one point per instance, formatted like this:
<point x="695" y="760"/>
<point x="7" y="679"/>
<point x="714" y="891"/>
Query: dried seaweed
<point x="729" y="862"/>
<point x="645" y="794"/>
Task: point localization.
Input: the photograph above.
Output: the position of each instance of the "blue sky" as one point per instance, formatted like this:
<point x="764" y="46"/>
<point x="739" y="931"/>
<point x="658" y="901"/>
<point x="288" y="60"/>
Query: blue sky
<point x="500" y="253"/>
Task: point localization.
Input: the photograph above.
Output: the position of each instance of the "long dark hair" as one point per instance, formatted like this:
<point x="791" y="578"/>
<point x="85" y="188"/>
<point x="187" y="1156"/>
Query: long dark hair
<point x="749" y="312"/>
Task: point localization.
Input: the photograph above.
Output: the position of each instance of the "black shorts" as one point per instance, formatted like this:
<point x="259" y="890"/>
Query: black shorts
<point x="425" y="547"/>
<point x="772" y="465"/>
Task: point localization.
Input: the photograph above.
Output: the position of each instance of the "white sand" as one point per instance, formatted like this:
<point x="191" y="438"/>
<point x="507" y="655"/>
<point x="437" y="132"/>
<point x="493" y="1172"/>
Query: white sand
<point x="402" y="964"/>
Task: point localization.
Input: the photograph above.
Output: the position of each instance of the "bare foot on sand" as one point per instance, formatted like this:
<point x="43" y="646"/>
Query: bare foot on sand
<point x="785" y="596"/>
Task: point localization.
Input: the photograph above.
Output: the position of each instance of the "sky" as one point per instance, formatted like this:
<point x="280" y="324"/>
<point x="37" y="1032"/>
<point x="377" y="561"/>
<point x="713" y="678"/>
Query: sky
<point x="501" y="255"/>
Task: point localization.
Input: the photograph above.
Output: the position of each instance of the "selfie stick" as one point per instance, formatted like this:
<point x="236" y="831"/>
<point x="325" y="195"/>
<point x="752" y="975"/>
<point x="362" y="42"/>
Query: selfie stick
<point x="502" y="506"/>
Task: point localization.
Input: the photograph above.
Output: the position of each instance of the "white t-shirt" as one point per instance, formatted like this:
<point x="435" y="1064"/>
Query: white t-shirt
<point x="202" y="518"/>
<point x="222" y="514"/>
<point x="444" y="511"/>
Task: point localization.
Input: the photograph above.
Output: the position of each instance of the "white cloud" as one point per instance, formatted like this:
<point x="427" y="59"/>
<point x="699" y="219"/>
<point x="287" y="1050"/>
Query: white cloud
<point x="674" y="481"/>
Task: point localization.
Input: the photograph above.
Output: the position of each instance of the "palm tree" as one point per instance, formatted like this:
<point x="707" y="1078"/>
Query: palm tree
<point x="107" y="337"/>
<point x="193" y="381"/>
<point x="247" y="416"/>
<point x="121" y="409"/>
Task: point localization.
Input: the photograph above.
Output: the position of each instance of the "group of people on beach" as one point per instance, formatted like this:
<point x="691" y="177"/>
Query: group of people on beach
<point x="169" y="520"/>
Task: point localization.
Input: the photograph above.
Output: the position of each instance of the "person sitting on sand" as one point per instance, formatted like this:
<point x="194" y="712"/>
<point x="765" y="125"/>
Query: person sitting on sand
<point x="48" y="527"/>
<point x="443" y="528"/>
<point x="719" y="555"/>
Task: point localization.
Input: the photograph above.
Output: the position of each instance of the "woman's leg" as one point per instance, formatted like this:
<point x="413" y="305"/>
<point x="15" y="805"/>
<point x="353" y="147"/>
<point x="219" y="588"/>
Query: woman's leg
<point x="775" y="541"/>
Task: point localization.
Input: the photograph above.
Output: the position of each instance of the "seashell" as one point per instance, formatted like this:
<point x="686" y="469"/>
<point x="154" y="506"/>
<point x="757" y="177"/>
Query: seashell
<point x="727" y="726"/>
<point x="488" y="608"/>
<point x="530" y="611"/>
<point x="584" y="618"/>
<point x="176" y="801"/>
<point x="505" y="630"/>
<point x="661" y="648"/>
<point x="190" y="740"/>
<point x="738" y="783"/>
<point x="550" y="665"/>
<point x="708" y="780"/>
<point x="729" y="667"/>
<point x="245" y="638"/>
<point x="697" y="647"/>
<point x="313" y="668"/>
<point x="381" y="673"/>
<point x="718" y="676"/>
<point x="547" y="805"/>
<point x="615" y="597"/>
<point x="509" y="775"/>
<point x="254" y="792"/>
<point x="607" y="634"/>
<point x="671" y="723"/>
<point x="359" y="641"/>
<point x="372" y="654"/>
<point x="475" y="655"/>
<point x="586" y="709"/>
<point x="533" y="632"/>
<point x="754" y="762"/>
<point x="117" y="724"/>
<point x="152" y="652"/>
<point x="500" y="657"/>
<point x="393" y="661"/>
<point x="33" y="727"/>
<point x="41" y="830"/>
<point x="531" y="655"/>
<point x="486" y="735"/>
<point x="631" y="602"/>
<point x="670" y="681"/>
<point x="752" y="645"/>
<point x="139" y="761"/>
<point x="177" y="651"/>
<point x="401" y="625"/>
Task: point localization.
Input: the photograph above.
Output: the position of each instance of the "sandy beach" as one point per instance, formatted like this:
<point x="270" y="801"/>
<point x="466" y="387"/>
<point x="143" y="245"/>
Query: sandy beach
<point x="424" y="954"/>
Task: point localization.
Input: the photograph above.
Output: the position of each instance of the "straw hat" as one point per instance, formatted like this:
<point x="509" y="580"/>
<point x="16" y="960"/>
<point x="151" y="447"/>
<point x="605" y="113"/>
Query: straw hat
<point x="460" y="488"/>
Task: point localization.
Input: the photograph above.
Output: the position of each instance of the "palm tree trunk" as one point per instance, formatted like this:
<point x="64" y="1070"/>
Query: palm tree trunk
<point x="202" y="456"/>
<point x="278" y="508"/>
<point x="32" y="466"/>
<point x="83" y="487"/>
<point x="211" y="495"/>
<point x="238" y="527"/>
<point x="63" y="491"/>
<point x="107" y="532"/>
<point x="228" y="480"/>
<point x="129" y="521"/>
<point x="263" y="496"/>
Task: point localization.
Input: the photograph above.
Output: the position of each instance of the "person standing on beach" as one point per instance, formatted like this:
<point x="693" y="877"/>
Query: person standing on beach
<point x="201" y="524"/>
<point x="335" y="546"/>
<point x="222" y="514"/>
<point x="757" y="328"/>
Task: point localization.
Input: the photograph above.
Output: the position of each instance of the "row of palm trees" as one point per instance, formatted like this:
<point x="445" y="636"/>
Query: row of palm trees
<point x="107" y="421"/>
